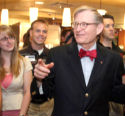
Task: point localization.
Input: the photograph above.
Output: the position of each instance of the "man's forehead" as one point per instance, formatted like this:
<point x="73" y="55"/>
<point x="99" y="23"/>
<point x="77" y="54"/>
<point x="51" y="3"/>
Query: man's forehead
<point x="108" y="20"/>
<point x="40" y="25"/>
<point x="85" y="12"/>
<point x="85" y="15"/>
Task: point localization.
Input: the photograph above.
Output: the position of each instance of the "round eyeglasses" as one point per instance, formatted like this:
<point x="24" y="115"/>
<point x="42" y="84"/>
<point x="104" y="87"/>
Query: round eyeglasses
<point x="82" y="25"/>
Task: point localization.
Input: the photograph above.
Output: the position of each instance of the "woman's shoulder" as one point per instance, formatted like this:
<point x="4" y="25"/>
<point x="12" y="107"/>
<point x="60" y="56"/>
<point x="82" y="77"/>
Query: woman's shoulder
<point x="26" y="62"/>
<point x="24" y="59"/>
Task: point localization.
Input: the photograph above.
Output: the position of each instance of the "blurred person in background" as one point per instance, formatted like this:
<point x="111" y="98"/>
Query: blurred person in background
<point x="26" y="38"/>
<point x="70" y="38"/>
<point x="106" y="40"/>
<point x="66" y="37"/>
<point x="108" y="34"/>
<point x="15" y="75"/>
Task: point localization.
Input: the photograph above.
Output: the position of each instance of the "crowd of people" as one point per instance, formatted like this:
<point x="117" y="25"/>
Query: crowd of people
<point x="84" y="76"/>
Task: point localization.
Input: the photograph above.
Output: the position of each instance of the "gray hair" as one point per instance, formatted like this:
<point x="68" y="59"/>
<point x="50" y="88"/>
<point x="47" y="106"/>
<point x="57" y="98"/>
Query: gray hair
<point x="98" y="17"/>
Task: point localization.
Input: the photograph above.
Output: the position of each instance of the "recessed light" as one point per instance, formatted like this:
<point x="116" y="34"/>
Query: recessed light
<point x="39" y="3"/>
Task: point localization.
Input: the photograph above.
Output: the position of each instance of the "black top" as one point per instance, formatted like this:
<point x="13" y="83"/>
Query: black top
<point x="34" y="55"/>
<point x="114" y="48"/>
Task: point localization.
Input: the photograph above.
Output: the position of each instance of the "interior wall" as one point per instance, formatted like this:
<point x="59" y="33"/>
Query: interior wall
<point x="121" y="41"/>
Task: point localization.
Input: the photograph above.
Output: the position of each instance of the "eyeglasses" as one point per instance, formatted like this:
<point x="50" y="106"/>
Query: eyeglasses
<point x="82" y="25"/>
<point x="6" y="38"/>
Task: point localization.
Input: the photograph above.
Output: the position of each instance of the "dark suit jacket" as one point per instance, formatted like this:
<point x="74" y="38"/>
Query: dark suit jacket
<point x="72" y="97"/>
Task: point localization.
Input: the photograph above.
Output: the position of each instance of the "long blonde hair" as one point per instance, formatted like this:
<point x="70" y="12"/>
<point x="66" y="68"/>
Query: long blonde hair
<point x="15" y="57"/>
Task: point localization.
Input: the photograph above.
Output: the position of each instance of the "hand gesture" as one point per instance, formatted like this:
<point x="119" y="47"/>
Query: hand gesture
<point x="42" y="70"/>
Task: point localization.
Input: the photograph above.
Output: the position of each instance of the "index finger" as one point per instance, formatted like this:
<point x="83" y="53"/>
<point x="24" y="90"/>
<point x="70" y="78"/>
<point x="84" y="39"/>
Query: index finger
<point x="41" y="62"/>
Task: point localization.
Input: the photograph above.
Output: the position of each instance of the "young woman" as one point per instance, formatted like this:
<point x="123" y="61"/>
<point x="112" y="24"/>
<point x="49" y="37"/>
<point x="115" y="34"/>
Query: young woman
<point x="15" y="75"/>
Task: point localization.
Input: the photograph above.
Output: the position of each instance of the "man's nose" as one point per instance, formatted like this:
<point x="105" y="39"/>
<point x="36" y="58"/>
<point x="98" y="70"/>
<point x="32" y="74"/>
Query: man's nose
<point x="41" y="33"/>
<point x="111" y="28"/>
<point x="9" y="40"/>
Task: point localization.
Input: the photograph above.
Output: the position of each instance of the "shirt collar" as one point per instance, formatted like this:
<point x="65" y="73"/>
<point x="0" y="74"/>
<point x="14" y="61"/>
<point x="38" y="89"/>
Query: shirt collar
<point x="92" y="48"/>
<point x="40" y="51"/>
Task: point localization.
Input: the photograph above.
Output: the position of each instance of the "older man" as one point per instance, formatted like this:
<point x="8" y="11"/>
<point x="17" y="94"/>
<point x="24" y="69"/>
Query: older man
<point x="85" y="75"/>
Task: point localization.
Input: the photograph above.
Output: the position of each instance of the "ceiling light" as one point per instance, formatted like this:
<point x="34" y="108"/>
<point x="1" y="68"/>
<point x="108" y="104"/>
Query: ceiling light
<point x="53" y="18"/>
<point x="33" y="14"/>
<point x="121" y="46"/>
<point x="4" y="16"/>
<point x="66" y="20"/>
<point x="40" y="3"/>
<point x="102" y="11"/>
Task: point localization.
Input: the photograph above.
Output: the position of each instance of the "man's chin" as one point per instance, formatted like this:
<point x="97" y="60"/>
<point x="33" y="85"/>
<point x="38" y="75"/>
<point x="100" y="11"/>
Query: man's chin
<point x="40" y="42"/>
<point x="111" y="38"/>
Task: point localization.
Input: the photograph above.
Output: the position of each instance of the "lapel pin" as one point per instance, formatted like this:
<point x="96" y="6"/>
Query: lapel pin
<point x="34" y="92"/>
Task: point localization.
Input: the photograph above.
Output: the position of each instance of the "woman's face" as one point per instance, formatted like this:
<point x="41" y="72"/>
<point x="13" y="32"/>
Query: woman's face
<point x="7" y="43"/>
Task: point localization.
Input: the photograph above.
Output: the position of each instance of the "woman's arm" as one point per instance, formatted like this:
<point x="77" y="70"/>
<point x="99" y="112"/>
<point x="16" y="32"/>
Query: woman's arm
<point x="27" y="96"/>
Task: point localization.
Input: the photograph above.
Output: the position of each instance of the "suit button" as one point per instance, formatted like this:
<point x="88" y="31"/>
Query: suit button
<point x="85" y="113"/>
<point x="86" y="95"/>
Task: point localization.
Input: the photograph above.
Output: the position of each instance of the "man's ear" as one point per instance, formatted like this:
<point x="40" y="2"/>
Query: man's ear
<point x="100" y="28"/>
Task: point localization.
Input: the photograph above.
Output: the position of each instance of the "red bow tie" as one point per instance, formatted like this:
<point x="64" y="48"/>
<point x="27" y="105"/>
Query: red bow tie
<point x="92" y="54"/>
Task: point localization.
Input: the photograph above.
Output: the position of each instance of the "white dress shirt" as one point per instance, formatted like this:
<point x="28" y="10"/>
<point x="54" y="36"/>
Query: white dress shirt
<point x="40" y="87"/>
<point x="87" y="64"/>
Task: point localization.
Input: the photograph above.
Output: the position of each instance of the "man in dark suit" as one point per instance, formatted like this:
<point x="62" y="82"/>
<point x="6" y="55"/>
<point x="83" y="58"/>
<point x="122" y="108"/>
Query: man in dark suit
<point x="40" y="104"/>
<point x="85" y="75"/>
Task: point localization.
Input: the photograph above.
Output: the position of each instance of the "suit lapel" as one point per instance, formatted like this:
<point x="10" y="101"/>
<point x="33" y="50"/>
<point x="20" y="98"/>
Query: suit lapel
<point x="77" y="68"/>
<point x="76" y="64"/>
<point x="97" y="66"/>
<point x="95" y="72"/>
